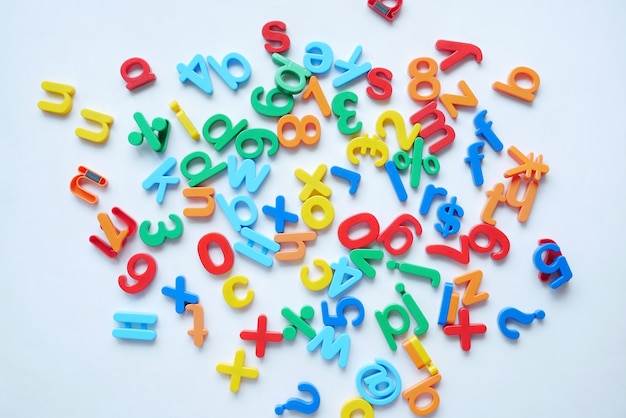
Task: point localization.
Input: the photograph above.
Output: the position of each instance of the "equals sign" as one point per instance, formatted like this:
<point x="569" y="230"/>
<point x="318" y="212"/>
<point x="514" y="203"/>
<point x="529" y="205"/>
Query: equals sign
<point x="135" y="326"/>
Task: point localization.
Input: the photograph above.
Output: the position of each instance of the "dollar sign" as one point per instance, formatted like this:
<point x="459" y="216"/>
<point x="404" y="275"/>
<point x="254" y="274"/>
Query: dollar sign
<point x="449" y="214"/>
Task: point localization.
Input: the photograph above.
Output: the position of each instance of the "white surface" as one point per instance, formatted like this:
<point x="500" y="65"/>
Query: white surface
<point x="57" y="356"/>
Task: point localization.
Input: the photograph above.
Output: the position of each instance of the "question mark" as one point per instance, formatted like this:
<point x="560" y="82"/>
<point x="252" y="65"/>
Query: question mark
<point x="299" y="405"/>
<point x="519" y="316"/>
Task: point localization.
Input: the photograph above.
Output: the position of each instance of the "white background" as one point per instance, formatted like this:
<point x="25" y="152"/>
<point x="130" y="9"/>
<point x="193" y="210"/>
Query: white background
<point x="57" y="356"/>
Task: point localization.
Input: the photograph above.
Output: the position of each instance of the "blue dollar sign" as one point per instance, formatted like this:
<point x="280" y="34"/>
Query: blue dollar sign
<point x="449" y="214"/>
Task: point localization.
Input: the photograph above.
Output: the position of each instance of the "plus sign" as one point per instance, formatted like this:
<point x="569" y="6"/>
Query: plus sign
<point x="280" y="215"/>
<point x="465" y="330"/>
<point x="262" y="336"/>
<point x="237" y="370"/>
<point x="181" y="297"/>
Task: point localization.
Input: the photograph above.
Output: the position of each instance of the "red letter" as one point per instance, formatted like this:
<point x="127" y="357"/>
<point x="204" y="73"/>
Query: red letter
<point x="379" y="78"/>
<point x="274" y="31"/>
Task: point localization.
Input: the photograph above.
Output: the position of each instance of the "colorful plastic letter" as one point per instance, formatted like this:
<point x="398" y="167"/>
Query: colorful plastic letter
<point x="358" y="406"/>
<point x="514" y="89"/>
<point x="93" y="177"/>
<point x="433" y="275"/>
<point x="64" y="90"/>
<point x="205" y="257"/>
<point x="331" y="348"/>
<point x="380" y="84"/>
<point x="313" y="183"/>
<point x="450" y="101"/>
<point x="559" y="265"/>
<point x="298" y="238"/>
<point x="385" y="11"/>
<point x="246" y="172"/>
<point x="319" y="57"/>
<point x="105" y="122"/>
<point x="361" y="257"/>
<point x="228" y="291"/>
<point x="274" y="32"/>
<point x="418" y="354"/>
<point x="425" y="387"/>
<point x="351" y="70"/>
<point x="429" y="195"/>
<point x="289" y="70"/>
<point x="197" y="72"/>
<point x="230" y="131"/>
<point x="230" y="210"/>
<point x="459" y="50"/>
<point x="439" y="124"/>
<point x="396" y="181"/>
<point x="483" y="129"/>
<point x="198" y="332"/>
<point x="318" y="284"/>
<point x="353" y="177"/>
<point x="223" y="69"/>
<point x="472" y="281"/>
<point x="473" y="159"/>
<point x="184" y="120"/>
<point x="117" y="238"/>
<point x="205" y="193"/>
<point x="160" y="178"/>
<point x="132" y="82"/>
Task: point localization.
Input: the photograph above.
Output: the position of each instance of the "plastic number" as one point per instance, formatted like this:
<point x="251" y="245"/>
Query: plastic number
<point x="405" y="138"/>
<point x="257" y="135"/>
<point x="162" y="233"/>
<point x="493" y="234"/>
<point x="270" y="108"/>
<point x="385" y="237"/>
<point x="360" y="218"/>
<point x="143" y="279"/>
<point x="461" y="256"/>
<point x="495" y="237"/>
<point x="229" y="133"/>
<point x="205" y="258"/>
<point x="343" y="114"/>
<point x="301" y="127"/>
<point x="340" y="319"/>
<point x="423" y="77"/>
<point x="314" y="89"/>
<point x="397" y="227"/>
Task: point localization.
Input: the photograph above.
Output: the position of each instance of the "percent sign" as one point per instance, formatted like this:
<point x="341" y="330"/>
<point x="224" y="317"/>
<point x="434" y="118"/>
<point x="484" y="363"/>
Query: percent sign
<point x="403" y="161"/>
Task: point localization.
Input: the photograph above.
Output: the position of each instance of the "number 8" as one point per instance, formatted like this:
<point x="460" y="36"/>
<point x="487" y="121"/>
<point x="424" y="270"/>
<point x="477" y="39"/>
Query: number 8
<point x="301" y="126"/>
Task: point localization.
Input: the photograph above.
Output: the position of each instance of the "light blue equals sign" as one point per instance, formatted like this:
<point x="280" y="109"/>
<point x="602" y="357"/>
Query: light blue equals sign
<point x="135" y="326"/>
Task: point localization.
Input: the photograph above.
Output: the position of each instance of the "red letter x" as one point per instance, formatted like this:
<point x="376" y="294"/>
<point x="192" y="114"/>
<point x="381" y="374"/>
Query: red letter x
<point x="465" y="330"/>
<point x="261" y="336"/>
